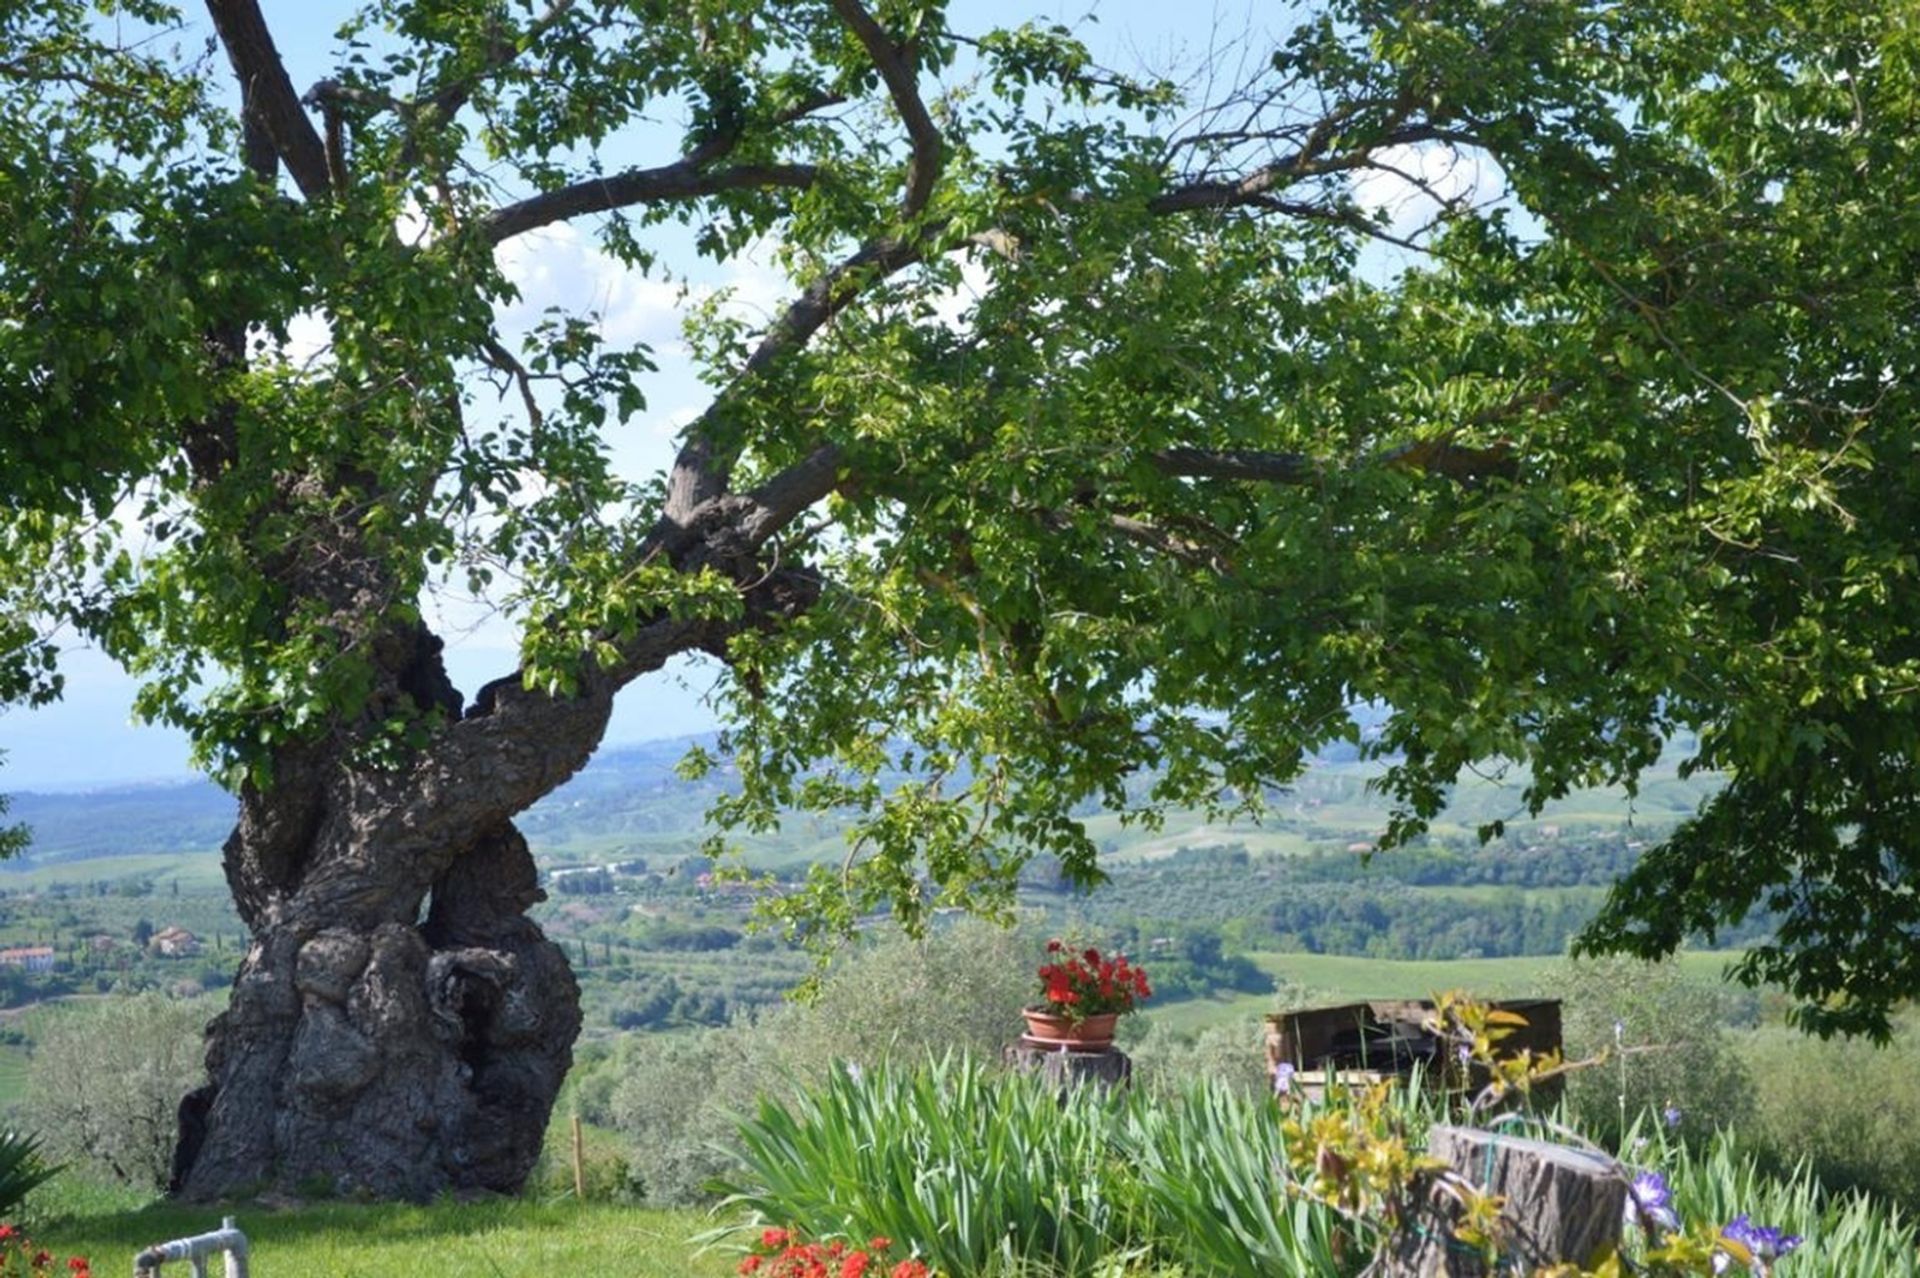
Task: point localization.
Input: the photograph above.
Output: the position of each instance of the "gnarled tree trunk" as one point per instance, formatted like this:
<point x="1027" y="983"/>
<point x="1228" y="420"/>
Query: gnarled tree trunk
<point x="398" y="1026"/>
<point x="379" y="1052"/>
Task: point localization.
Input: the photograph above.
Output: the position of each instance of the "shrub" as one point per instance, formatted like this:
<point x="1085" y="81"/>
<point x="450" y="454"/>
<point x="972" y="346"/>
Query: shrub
<point x="989" y="1173"/>
<point x="1842" y="1235"/>
<point x="679" y="1095"/>
<point x="1207" y="1159"/>
<point x="606" y="1162"/>
<point x="958" y="990"/>
<point x="104" y="1082"/>
<point x="1846" y="1110"/>
<point x="678" y="1101"/>
<point x="1233" y="1055"/>
<point x="1692" y="1073"/>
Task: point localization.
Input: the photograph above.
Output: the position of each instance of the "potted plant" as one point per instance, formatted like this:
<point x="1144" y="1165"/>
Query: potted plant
<point x="1082" y="997"/>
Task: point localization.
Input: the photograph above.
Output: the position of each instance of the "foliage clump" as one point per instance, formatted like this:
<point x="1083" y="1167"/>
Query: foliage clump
<point x="106" y="1078"/>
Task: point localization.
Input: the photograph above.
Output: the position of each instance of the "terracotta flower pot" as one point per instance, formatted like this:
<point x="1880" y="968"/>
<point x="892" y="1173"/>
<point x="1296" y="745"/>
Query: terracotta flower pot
<point x="1092" y="1033"/>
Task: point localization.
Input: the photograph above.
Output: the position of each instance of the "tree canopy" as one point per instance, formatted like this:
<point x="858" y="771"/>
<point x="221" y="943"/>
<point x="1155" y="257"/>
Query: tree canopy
<point x="1110" y="447"/>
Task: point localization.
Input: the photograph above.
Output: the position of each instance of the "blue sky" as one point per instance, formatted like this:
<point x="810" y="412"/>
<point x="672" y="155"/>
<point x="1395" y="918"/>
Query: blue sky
<point x="88" y="739"/>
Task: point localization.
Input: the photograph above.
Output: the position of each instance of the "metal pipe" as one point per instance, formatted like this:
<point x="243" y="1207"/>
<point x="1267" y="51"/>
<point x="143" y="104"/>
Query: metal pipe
<point x="227" y="1240"/>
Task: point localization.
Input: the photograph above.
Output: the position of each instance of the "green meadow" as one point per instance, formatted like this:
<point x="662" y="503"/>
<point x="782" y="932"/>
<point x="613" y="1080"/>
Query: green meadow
<point x="1334" y="978"/>
<point x="496" y="1238"/>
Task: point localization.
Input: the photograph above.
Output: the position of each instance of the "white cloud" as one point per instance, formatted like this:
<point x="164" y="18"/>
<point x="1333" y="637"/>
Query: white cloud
<point x="309" y="340"/>
<point x="412" y="226"/>
<point x="669" y="424"/>
<point x="560" y="266"/>
<point x="1413" y="183"/>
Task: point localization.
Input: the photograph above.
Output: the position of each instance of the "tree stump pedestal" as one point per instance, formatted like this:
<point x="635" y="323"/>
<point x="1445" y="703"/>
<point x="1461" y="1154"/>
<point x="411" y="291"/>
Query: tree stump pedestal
<point x="1562" y="1204"/>
<point x="1106" y="1067"/>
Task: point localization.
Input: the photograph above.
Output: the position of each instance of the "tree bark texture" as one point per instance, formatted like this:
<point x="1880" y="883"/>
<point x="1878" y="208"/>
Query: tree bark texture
<point x="1106" y="1069"/>
<point x="390" y="1056"/>
<point x="1562" y="1205"/>
<point x="398" y="1027"/>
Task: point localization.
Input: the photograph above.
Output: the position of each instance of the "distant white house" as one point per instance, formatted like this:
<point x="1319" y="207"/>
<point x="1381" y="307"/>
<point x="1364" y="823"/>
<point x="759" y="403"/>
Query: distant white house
<point x="35" y="958"/>
<point x="174" y="942"/>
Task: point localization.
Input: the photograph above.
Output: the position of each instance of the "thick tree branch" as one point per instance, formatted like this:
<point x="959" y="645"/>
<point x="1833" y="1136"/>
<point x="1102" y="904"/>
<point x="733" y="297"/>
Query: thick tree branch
<point x="1313" y="157"/>
<point x="687" y="178"/>
<point x="701" y="470"/>
<point x="682" y="180"/>
<point x="529" y="741"/>
<point x="1156" y="538"/>
<point x="1237" y="463"/>
<point x="896" y="68"/>
<point x="780" y="500"/>
<point x="268" y="93"/>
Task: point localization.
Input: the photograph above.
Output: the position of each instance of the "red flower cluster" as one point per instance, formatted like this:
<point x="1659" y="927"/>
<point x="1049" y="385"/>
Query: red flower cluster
<point x="19" y="1258"/>
<point x="781" y="1254"/>
<point x="1086" y="984"/>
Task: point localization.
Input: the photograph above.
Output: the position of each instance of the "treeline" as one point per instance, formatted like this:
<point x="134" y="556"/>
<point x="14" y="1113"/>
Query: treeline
<point x="1186" y="962"/>
<point x="1434" y="901"/>
<point x="1399" y="922"/>
<point x="659" y="1002"/>
<point x="1577" y="861"/>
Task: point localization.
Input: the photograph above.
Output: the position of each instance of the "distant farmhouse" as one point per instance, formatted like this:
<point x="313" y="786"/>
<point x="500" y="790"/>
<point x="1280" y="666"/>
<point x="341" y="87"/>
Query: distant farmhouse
<point x="174" y="942"/>
<point x="35" y="958"/>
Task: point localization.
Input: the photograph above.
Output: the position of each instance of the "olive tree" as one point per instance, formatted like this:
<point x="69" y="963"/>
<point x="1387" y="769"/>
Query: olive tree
<point x="105" y="1079"/>
<point x="1618" y="444"/>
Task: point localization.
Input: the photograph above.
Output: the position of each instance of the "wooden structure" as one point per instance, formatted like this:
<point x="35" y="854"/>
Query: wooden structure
<point x="1389" y="1038"/>
<point x="1108" y="1067"/>
<point x="1562" y="1205"/>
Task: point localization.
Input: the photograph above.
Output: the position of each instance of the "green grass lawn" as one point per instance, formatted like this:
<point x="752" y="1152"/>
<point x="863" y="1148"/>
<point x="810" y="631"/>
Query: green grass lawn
<point x="508" y="1238"/>
<point x="13" y="1073"/>
<point x="1334" y="978"/>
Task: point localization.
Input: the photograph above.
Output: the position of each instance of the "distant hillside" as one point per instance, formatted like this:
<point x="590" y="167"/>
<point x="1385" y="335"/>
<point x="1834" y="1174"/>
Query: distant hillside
<point x="187" y="816"/>
<point x="624" y="791"/>
<point x="629" y="800"/>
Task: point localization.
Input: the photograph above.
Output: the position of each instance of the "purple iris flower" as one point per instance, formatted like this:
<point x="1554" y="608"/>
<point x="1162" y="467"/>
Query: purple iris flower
<point x="1650" y="1199"/>
<point x="1282" y="1078"/>
<point x="1765" y="1242"/>
<point x="1670" y="1116"/>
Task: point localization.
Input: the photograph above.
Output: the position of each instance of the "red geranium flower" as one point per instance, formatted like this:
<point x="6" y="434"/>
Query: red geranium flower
<point x="1089" y="984"/>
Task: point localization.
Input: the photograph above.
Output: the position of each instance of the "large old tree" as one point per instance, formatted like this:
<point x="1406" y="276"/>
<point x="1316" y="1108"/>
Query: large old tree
<point x="1112" y="443"/>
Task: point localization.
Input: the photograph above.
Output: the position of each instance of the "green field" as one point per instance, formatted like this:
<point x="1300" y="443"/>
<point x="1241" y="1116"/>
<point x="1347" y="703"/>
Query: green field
<point x="1333" y="978"/>
<point x="505" y="1238"/>
<point x="13" y="1073"/>
<point x="194" y="871"/>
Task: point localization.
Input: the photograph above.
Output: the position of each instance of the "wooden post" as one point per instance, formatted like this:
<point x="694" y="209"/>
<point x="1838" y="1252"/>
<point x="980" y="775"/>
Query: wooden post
<point x="1562" y="1204"/>
<point x="579" y="1163"/>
